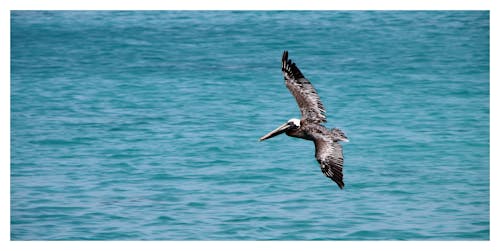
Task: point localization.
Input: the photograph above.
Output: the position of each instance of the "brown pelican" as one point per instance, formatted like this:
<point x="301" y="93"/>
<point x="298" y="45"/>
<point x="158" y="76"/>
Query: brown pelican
<point x="328" y="149"/>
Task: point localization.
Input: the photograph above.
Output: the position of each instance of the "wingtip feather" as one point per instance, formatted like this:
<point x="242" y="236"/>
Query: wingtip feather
<point x="289" y="68"/>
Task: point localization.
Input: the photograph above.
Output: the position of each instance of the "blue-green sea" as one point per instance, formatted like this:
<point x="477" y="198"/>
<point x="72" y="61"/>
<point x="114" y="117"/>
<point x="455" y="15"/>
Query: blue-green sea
<point x="144" y="125"/>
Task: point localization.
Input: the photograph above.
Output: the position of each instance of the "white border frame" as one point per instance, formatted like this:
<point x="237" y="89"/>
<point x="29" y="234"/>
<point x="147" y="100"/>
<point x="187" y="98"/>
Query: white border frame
<point x="8" y="5"/>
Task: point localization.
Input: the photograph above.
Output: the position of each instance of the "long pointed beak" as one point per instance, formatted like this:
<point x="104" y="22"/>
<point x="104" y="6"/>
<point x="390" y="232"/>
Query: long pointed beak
<point x="281" y="129"/>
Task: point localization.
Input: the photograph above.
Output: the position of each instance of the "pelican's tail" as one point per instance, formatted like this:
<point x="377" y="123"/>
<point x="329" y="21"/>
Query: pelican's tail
<point x="339" y="135"/>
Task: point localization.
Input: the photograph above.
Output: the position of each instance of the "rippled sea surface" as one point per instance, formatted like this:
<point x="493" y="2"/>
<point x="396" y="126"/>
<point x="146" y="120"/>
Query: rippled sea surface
<point x="144" y="125"/>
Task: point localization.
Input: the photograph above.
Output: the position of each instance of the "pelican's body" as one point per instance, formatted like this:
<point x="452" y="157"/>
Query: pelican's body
<point x="328" y="149"/>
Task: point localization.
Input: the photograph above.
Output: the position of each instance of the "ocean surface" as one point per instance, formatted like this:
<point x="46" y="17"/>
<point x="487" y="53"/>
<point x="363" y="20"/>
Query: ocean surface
<point x="144" y="125"/>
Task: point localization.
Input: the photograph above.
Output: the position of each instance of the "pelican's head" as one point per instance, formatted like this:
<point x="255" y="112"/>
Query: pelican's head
<point x="291" y="124"/>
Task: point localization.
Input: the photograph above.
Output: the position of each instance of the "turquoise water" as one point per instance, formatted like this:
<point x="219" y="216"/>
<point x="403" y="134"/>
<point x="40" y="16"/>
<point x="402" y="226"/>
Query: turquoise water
<point x="145" y="126"/>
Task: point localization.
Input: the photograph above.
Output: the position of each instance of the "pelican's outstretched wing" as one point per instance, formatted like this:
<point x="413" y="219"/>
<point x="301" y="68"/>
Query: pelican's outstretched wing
<point x="330" y="158"/>
<point x="308" y="100"/>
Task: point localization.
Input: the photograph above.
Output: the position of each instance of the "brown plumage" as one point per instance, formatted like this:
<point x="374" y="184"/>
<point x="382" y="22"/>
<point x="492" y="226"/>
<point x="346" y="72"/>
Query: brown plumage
<point x="307" y="98"/>
<point x="328" y="149"/>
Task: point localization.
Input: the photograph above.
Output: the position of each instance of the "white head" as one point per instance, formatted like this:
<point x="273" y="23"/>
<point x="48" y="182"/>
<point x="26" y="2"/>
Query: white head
<point x="295" y="121"/>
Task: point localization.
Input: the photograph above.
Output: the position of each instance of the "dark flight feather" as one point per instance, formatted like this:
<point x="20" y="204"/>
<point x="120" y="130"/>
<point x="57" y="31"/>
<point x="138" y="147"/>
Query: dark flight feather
<point x="306" y="96"/>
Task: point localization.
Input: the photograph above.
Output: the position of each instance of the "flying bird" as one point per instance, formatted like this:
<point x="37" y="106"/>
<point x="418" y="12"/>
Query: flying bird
<point x="328" y="149"/>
